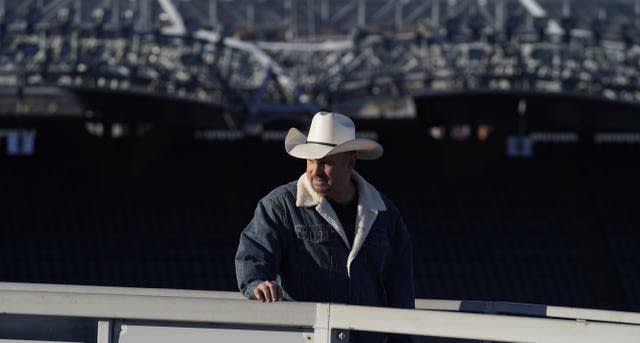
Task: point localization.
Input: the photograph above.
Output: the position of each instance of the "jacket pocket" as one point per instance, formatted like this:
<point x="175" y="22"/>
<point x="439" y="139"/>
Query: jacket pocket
<point x="314" y="233"/>
<point x="377" y="238"/>
<point x="316" y="247"/>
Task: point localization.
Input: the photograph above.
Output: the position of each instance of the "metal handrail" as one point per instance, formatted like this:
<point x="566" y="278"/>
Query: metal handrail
<point x="184" y="306"/>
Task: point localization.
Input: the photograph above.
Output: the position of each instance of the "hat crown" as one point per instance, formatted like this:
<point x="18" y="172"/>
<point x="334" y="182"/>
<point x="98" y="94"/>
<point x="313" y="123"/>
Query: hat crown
<point x="331" y="128"/>
<point x="330" y="133"/>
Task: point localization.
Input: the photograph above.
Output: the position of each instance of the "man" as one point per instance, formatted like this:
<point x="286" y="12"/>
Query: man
<point x="330" y="236"/>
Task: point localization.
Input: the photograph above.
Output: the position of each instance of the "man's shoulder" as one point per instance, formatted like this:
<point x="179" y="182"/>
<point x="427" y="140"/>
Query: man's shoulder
<point x="287" y="190"/>
<point x="392" y="209"/>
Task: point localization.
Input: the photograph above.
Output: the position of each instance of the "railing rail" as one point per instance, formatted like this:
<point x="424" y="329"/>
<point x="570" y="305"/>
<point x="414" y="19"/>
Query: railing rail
<point x="154" y="311"/>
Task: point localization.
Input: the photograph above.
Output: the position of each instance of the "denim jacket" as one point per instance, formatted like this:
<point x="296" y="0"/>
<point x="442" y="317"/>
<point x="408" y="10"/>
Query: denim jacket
<point x="296" y="239"/>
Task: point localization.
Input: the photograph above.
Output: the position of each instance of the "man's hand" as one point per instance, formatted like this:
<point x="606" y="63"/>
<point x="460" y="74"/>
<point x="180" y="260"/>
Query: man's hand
<point x="268" y="291"/>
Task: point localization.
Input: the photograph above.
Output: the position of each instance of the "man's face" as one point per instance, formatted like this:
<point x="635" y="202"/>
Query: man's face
<point x="330" y="176"/>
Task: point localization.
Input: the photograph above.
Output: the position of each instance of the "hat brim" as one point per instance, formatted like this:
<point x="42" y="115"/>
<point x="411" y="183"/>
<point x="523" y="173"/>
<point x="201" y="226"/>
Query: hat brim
<point x="296" y="145"/>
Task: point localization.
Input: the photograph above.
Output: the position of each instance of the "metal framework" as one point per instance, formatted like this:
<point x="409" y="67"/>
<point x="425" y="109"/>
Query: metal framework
<point x="186" y="49"/>
<point x="52" y="43"/>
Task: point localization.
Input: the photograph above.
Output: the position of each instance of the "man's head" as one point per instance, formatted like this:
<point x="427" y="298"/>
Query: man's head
<point x="331" y="150"/>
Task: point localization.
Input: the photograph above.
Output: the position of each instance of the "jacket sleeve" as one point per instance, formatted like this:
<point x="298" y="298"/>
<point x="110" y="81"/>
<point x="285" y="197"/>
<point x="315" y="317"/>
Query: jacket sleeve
<point x="399" y="282"/>
<point x="259" y="249"/>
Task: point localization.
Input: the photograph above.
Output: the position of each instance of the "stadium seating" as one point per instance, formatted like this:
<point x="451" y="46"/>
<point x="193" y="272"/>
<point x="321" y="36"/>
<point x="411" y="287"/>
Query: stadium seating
<point x="517" y="230"/>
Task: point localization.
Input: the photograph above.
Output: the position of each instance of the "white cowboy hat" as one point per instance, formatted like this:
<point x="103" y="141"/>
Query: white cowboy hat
<point x="330" y="133"/>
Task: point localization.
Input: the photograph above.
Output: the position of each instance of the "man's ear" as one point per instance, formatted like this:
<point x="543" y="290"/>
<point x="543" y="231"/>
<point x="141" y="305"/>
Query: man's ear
<point x="352" y="159"/>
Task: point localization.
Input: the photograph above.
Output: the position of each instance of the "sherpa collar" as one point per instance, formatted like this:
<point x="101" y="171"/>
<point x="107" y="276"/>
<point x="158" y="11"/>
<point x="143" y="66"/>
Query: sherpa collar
<point x="369" y="204"/>
<point x="368" y="196"/>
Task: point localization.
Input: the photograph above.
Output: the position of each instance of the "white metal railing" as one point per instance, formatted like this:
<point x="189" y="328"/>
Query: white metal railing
<point x="139" y="314"/>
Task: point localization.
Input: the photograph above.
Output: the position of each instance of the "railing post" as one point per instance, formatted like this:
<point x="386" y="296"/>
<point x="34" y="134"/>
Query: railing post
<point x="104" y="331"/>
<point x="322" y="329"/>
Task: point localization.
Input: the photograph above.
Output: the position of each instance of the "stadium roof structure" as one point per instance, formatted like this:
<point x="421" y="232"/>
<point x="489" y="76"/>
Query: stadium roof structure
<point x="210" y="52"/>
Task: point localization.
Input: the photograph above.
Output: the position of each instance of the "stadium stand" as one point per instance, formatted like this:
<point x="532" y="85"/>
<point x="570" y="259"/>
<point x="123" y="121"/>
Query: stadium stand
<point x="555" y="228"/>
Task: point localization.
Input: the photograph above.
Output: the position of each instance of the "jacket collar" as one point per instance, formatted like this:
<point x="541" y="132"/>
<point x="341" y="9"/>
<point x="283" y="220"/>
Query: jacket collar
<point x="369" y="204"/>
<point x="368" y="196"/>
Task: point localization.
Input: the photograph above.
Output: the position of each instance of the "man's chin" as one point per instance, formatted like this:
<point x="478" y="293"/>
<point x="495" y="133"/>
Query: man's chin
<point x="321" y="190"/>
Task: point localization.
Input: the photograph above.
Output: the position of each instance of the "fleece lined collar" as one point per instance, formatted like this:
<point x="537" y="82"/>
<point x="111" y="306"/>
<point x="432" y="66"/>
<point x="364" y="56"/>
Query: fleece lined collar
<point x="369" y="204"/>
<point x="368" y="196"/>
